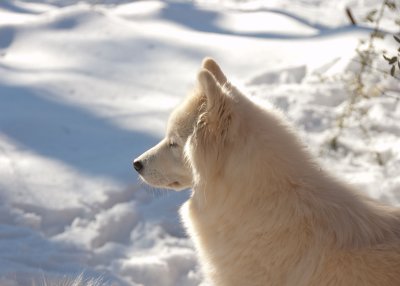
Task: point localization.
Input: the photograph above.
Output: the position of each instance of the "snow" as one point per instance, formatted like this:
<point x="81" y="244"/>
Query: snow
<point x="87" y="87"/>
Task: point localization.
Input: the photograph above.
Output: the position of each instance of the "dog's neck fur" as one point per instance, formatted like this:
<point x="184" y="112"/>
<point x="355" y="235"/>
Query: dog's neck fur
<point x="284" y="187"/>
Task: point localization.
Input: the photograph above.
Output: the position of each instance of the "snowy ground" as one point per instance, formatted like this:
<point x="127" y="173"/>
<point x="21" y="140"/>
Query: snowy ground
<point x="86" y="88"/>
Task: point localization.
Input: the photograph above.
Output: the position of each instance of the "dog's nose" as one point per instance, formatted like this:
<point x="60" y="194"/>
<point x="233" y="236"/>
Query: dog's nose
<point x="137" y="165"/>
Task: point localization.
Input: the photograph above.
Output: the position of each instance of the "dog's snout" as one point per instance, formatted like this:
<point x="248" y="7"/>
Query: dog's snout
<point x="138" y="165"/>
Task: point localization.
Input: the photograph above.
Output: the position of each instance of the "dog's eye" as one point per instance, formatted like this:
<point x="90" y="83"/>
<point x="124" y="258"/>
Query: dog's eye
<point x="172" y="144"/>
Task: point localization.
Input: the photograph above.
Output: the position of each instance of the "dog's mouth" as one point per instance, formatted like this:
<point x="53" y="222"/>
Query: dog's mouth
<point x="175" y="184"/>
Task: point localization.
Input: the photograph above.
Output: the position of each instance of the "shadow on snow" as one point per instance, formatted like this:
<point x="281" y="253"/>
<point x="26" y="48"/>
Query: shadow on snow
<point x="187" y="14"/>
<point x="66" y="133"/>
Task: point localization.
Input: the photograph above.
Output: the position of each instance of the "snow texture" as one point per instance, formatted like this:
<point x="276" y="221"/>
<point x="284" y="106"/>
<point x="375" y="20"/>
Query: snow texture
<point x="87" y="87"/>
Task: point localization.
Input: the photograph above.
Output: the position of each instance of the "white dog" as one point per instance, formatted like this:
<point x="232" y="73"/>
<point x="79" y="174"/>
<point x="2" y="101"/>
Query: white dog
<point x="262" y="211"/>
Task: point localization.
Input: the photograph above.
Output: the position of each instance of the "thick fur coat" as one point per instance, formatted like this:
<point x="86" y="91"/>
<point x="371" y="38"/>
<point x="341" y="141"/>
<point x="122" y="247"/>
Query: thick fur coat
<point x="263" y="212"/>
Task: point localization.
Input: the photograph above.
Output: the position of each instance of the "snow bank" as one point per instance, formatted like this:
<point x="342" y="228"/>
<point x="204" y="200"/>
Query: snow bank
<point x="86" y="87"/>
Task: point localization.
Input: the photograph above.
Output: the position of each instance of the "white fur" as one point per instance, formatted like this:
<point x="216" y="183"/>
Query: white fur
<point x="262" y="211"/>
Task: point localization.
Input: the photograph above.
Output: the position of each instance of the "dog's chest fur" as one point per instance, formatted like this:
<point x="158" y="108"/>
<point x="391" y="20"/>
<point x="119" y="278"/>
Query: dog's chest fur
<point x="236" y="247"/>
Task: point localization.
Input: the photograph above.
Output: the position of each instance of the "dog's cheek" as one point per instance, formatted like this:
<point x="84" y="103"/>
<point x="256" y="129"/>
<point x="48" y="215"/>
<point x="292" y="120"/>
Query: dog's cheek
<point x="190" y="158"/>
<point x="206" y="152"/>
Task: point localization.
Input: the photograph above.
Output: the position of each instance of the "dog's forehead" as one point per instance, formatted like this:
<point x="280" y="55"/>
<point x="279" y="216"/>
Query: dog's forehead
<point x="183" y="117"/>
<point x="178" y="120"/>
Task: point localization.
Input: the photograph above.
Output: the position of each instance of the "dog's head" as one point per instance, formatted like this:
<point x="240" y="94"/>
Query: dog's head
<point x="201" y="121"/>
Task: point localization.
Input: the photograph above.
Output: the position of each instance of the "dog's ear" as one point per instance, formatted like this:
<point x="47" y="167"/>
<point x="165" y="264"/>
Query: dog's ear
<point x="212" y="66"/>
<point x="208" y="85"/>
<point x="216" y="100"/>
